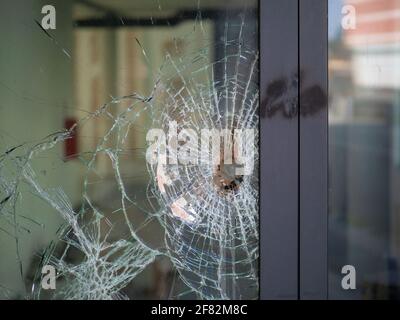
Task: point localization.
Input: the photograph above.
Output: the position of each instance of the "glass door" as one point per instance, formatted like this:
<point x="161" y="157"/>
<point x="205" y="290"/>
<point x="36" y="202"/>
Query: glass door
<point x="129" y="163"/>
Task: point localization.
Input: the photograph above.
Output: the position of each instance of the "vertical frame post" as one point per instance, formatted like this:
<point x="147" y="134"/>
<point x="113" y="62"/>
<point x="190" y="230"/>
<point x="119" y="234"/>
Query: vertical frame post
<point x="278" y="149"/>
<point x="313" y="146"/>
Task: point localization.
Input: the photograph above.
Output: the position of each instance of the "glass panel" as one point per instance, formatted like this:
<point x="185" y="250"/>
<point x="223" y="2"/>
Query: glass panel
<point x="129" y="149"/>
<point x="364" y="149"/>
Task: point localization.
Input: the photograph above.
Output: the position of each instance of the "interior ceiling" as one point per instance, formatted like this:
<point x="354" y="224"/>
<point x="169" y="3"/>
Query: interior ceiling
<point x="135" y="8"/>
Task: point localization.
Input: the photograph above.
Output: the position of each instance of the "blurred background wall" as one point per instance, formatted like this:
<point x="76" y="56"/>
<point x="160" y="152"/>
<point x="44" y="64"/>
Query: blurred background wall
<point x="35" y="98"/>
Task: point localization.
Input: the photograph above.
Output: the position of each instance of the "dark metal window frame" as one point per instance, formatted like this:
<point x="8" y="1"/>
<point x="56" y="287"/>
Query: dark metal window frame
<point x="293" y="149"/>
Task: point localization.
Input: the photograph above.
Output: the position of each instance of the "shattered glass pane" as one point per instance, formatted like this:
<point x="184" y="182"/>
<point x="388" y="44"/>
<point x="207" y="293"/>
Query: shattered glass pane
<point x="86" y="184"/>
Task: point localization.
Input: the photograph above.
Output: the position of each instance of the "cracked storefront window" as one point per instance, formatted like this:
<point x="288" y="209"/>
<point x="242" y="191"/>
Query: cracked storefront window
<point x="129" y="150"/>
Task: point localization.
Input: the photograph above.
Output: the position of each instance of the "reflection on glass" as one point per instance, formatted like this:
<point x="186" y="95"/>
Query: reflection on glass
<point x="364" y="147"/>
